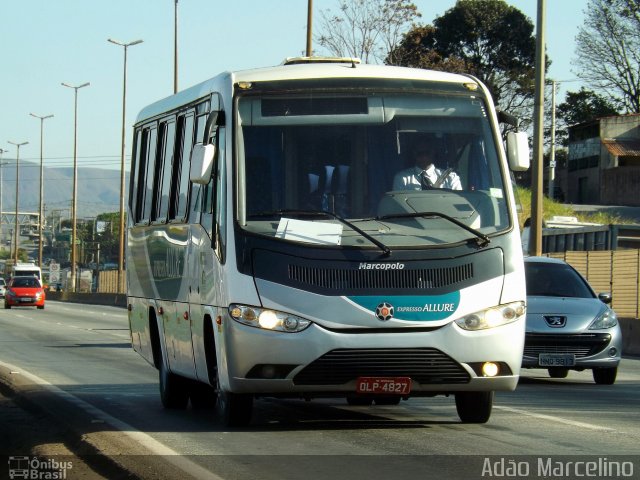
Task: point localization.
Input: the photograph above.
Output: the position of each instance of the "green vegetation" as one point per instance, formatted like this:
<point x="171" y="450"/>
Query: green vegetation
<point x="551" y="208"/>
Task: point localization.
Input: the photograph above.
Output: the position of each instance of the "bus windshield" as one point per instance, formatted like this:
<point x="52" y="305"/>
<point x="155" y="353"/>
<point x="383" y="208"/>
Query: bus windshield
<point x="399" y="166"/>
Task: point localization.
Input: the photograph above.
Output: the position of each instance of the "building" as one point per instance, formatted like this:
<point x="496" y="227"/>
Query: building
<point x="603" y="164"/>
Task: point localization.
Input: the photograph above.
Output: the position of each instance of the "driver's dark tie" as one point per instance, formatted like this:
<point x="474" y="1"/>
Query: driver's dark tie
<point x="424" y="181"/>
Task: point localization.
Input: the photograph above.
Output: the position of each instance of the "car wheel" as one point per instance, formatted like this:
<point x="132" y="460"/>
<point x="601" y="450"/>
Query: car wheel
<point x="7" y="306"/>
<point x="40" y="307"/>
<point x="474" y="407"/>
<point x="557" y="372"/>
<point x="605" y="375"/>
<point x="233" y="409"/>
<point x="356" y="401"/>
<point x="390" y="400"/>
<point x="173" y="389"/>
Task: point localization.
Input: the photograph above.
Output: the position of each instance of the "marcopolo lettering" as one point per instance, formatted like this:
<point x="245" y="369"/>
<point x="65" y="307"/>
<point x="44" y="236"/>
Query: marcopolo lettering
<point x="381" y="266"/>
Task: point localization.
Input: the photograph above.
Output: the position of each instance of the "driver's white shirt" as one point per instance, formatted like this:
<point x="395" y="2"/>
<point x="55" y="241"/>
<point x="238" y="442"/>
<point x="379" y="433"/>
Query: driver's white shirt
<point x="409" y="179"/>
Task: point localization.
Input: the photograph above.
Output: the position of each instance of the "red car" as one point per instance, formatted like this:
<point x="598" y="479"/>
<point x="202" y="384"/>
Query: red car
<point x="24" y="291"/>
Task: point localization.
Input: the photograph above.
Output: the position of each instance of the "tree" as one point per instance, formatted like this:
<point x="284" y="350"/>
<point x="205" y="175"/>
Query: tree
<point x="486" y="38"/>
<point x="579" y="107"/>
<point x="367" y="29"/>
<point x="608" y="50"/>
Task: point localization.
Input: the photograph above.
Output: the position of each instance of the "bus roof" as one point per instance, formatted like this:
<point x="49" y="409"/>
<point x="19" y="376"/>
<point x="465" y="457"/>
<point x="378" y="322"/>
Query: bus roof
<point x="296" y="71"/>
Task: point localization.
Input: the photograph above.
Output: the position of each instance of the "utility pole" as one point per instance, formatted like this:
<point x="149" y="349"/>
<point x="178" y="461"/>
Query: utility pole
<point x="16" y="232"/>
<point x="309" y="27"/>
<point x="122" y="156"/>
<point x="40" y="208"/>
<point x="535" y="238"/>
<point x="552" y="153"/>
<point x="2" y="164"/>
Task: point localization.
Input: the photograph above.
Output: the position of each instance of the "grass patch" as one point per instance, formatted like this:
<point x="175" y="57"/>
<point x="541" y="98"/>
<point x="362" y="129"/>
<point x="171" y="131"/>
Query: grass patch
<point x="551" y="208"/>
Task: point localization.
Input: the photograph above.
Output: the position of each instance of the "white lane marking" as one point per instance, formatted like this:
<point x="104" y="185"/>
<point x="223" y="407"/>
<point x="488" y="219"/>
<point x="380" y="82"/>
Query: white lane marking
<point x="553" y="418"/>
<point x="150" y="443"/>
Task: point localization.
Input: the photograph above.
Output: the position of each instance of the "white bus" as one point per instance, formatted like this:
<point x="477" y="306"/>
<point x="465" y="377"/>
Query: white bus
<point x="269" y="255"/>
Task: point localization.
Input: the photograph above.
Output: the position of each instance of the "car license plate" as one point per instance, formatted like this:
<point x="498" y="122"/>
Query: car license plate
<point x="384" y="385"/>
<point x="556" y="360"/>
<point x="26" y="299"/>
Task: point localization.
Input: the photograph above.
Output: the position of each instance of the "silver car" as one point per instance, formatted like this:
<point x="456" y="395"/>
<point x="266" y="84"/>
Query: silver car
<point x="569" y="327"/>
<point x="3" y="287"/>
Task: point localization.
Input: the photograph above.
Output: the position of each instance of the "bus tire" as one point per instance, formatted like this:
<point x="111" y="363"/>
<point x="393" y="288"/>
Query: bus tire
<point x="202" y="396"/>
<point x="233" y="409"/>
<point x="357" y="401"/>
<point x="474" y="407"/>
<point x="174" y="392"/>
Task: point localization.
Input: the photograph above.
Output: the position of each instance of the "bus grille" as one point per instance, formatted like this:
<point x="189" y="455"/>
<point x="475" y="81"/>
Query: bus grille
<point x="423" y="365"/>
<point x="581" y="345"/>
<point x="341" y="279"/>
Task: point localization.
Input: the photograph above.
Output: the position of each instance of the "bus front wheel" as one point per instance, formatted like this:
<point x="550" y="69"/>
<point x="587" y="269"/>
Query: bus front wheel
<point x="474" y="407"/>
<point x="173" y="389"/>
<point x="233" y="409"/>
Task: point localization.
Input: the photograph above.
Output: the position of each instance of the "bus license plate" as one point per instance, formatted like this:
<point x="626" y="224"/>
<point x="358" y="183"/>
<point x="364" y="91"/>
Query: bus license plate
<point x="384" y="385"/>
<point x="556" y="360"/>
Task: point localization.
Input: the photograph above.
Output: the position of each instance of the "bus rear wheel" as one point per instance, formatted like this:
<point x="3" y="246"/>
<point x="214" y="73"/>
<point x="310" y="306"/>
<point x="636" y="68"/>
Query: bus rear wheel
<point x="474" y="407"/>
<point x="233" y="409"/>
<point x="174" y="392"/>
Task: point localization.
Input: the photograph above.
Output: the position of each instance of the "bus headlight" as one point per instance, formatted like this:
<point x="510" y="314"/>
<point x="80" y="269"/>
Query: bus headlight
<point x="267" y="319"/>
<point x="492" y="317"/>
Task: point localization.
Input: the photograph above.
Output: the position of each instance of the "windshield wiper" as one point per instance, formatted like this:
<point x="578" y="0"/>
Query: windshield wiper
<point x="316" y="213"/>
<point x="481" y="239"/>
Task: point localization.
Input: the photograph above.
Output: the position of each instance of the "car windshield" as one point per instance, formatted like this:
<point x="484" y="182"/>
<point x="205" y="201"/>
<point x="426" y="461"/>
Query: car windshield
<point x="555" y="280"/>
<point x="25" y="282"/>
<point x="355" y="157"/>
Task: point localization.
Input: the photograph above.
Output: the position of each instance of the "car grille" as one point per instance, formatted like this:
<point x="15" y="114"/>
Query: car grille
<point x="423" y="365"/>
<point x="581" y="345"/>
<point x="340" y="279"/>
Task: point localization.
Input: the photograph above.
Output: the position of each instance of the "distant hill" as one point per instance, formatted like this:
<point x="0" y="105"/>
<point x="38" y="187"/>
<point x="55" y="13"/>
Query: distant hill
<point x="98" y="189"/>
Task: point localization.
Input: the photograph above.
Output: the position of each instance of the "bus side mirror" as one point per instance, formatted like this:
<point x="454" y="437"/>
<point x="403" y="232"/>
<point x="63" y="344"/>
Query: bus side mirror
<point x="518" y="151"/>
<point x="202" y="158"/>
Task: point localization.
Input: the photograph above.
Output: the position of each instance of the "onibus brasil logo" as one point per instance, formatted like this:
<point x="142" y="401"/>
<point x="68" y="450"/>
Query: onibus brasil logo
<point x="37" y="468"/>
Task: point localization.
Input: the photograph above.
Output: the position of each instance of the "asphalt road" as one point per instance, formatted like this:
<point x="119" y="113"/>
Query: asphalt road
<point x="72" y="365"/>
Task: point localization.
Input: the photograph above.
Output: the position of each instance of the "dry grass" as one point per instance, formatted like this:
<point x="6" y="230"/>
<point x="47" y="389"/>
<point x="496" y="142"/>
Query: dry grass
<point x="551" y="208"/>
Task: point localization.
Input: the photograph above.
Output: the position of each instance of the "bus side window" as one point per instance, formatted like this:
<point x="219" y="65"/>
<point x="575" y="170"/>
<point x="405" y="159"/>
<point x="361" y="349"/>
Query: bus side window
<point x="164" y="171"/>
<point x="135" y="162"/>
<point x="197" y="191"/>
<point x="180" y="195"/>
<point x="151" y="152"/>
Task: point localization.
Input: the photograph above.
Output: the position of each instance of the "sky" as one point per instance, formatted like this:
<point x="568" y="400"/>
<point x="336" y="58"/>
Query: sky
<point x="46" y="42"/>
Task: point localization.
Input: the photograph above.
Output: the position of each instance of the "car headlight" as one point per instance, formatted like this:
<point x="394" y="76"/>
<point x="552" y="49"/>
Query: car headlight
<point x="38" y="295"/>
<point x="267" y="319"/>
<point x="10" y="293"/>
<point x="492" y="317"/>
<point x="606" y="319"/>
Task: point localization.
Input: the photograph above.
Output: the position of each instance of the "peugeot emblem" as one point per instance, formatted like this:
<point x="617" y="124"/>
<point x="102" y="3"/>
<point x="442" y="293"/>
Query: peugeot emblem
<point x="555" y="321"/>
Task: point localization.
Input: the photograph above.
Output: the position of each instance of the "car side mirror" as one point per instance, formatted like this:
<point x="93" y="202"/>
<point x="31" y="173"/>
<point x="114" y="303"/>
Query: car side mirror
<point x="202" y="159"/>
<point x="518" y="151"/>
<point x="605" y="297"/>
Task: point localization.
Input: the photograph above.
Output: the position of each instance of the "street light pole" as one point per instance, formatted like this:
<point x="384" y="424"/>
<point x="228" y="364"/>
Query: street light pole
<point x="15" y="253"/>
<point x="40" y="212"/>
<point x="175" y="47"/>
<point x="122" y="156"/>
<point x="2" y="164"/>
<point x="75" y="182"/>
